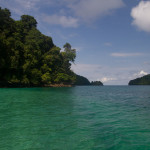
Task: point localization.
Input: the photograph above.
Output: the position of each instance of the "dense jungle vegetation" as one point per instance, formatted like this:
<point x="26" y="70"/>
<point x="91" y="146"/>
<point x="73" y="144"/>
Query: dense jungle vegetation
<point x="29" y="58"/>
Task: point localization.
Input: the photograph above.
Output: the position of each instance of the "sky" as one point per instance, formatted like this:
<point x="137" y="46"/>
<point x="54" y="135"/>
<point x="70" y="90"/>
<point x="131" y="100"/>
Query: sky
<point x="111" y="37"/>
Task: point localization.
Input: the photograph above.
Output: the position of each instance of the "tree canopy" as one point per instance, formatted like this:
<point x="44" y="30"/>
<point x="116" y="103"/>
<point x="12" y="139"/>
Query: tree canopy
<point x="30" y="58"/>
<point x="145" y="80"/>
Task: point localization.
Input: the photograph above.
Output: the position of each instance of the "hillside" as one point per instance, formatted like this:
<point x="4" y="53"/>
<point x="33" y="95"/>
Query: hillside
<point x="80" y="80"/>
<point x="30" y="58"/>
<point x="145" y="80"/>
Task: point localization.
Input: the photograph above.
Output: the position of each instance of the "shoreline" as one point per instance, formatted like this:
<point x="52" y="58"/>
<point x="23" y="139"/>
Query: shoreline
<point x="36" y="86"/>
<point x="40" y="86"/>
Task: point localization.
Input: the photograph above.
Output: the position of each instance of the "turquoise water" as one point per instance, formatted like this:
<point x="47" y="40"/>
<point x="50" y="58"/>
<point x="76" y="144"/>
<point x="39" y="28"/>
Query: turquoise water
<point x="77" y="118"/>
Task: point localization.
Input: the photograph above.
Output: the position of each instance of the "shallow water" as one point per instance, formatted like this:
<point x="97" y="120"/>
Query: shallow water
<point x="77" y="118"/>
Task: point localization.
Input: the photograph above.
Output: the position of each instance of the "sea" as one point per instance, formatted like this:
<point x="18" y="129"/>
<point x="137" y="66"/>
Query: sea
<point x="75" y="118"/>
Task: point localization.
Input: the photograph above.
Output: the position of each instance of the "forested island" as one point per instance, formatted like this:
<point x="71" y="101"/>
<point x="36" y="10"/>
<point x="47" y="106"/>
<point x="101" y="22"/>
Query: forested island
<point x="145" y="80"/>
<point x="96" y="83"/>
<point x="80" y="80"/>
<point x="29" y="58"/>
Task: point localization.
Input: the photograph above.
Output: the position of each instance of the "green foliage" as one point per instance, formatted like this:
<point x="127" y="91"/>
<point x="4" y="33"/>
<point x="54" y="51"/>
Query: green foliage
<point x="80" y="80"/>
<point x="29" y="58"/>
<point x="96" y="83"/>
<point x="62" y="77"/>
<point x="6" y="23"/>
<point x="145" y="80"/>
<point x="28" y="22"/>
<point x="25" y="80"/>
<point x="35" y="77"/>
<point x="46" y="78"/>
<point x="65" y="78"/>
<point x="69" y="54"/>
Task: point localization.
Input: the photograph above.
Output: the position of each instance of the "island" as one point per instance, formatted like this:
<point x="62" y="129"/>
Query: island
<point x="29" y="58"/>
<point x="80" y="80"/>
<point x="145" y="80"/>
<point x="96" y="83"/>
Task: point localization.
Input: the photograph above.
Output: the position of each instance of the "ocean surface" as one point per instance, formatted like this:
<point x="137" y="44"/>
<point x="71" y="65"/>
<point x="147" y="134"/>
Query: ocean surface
<point x="76" y="118"/>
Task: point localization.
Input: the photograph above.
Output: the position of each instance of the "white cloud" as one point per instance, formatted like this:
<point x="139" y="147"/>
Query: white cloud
<point x="61" y="20"/>
<point x="95" y="72"/>
<point x="141" y="16"/>
<point x="85" y="68"/>
<point x="27" y="4"/>
<point x="143" y="73"/>
<point x="90" y="10"/>
<point x="126" y="54"/>
<point x="20" y="7"/>
<point x="106" y="79"/>
<point x="91" y="71"/>
<point x="140" y="74"/>
<point x="110" y="75"/>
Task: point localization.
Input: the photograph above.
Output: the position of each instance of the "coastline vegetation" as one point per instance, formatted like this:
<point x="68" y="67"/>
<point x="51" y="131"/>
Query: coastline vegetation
<point x="80" y="80"/>
<point x="145" y="80"/>
<point x="29" y="58"/>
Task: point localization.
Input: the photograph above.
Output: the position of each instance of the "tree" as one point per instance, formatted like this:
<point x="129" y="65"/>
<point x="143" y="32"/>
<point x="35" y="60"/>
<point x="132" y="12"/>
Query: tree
<point x="30" y="58"/>
<point x="68" y="57"/>
<point x="70" y="54"/>
<point x="28" y="21"/>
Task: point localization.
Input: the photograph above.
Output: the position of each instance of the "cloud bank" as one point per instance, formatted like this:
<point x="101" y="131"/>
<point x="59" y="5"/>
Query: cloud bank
<point x="110" y="75"/>
<point x="106" y="79"/>
<point x="126" y="54"/>
<point x="90" y="10"/>
<point x="66" y="13"/>
<point x="64" y="21"/>
<point x="140" y="74"/>
<point x="96" y="72"/>
<point x="141" y="16"/>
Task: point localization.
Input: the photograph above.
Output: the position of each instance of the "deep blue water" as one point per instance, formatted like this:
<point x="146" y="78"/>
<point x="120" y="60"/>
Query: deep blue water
<point x="77" y="118"/>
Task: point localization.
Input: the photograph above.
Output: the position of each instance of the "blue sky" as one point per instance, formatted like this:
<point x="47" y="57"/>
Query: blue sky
<point x="112" y="37"/>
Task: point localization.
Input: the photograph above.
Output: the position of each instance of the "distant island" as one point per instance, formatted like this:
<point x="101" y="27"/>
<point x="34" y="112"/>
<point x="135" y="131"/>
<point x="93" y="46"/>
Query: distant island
<point x="80" y="80"/>
<point x="97" y="83"/>
<point x="29" y="58"/>
<point x="145" y="80"/>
